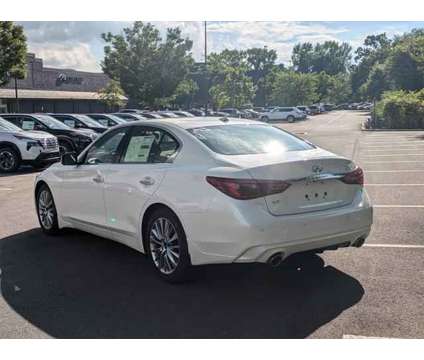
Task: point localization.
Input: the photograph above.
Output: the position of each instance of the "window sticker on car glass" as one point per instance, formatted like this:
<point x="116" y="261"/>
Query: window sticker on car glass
<point x="104" y="122"/>
<point x="28" y="125"/>
<point x="139" y="148"/>
<point x="70" y="123"/>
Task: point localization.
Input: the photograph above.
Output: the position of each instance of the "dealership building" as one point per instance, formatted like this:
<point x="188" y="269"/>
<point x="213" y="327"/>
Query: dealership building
<point x="47" y="89"/>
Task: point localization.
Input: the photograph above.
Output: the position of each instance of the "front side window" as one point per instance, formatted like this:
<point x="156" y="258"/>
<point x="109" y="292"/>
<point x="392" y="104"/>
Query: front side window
<point x="149" y="145"/>
<point x="245" y="139"/>
<point x="50" y="122"/>
<point x="107" y="149"/>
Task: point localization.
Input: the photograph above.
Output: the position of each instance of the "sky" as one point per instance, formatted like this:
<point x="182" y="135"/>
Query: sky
<point x="78" y="44"/>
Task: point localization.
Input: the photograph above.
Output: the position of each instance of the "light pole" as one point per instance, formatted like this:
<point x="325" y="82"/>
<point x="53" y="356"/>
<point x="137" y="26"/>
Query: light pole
<point x="16" y="96"/>
<point x="206" y="68"/>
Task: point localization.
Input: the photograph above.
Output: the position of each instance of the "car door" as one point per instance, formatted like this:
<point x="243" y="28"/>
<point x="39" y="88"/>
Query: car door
<point x="82" y="186"/>
<point x="146" y="157"/>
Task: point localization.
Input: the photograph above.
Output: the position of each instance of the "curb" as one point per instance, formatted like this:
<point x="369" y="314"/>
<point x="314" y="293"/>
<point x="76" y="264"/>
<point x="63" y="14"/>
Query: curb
<point x="363" y="129"/>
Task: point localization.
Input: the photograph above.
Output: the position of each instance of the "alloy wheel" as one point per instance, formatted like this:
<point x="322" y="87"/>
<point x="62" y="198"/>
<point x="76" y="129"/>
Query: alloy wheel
<point x="7" y="160"/>
<point x="46" y="209"/>
<point x="164" y="245"/>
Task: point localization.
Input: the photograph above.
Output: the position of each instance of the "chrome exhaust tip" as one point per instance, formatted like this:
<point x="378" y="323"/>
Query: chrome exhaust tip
<point x="276" y="259"/>
<point x="359" y="242"/>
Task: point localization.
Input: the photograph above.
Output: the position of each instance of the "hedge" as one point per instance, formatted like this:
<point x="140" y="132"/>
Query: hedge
<point x="401" y="110"/>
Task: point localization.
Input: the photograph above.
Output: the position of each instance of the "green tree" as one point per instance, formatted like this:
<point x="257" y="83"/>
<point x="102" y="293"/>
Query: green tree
<point x="231" y="85"/>
<point x="261" y="62"/>
<point x="340" y="90"/>
<point x="376" y="83"/>
<point x="13" y="52"/>
<point x="113" y="95"/>
<point x="148" y="68"/>
<point x="330" y="57"/>
<point x="235" y="90"/>
<point x="185" y="92"/>
<point x="373" y="52"/>
<point x="290" y="88"/>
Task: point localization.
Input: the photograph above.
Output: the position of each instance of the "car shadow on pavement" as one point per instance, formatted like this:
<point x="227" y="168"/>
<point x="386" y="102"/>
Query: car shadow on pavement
<point x="22" y="171"/>
<point x="80" y="286"/>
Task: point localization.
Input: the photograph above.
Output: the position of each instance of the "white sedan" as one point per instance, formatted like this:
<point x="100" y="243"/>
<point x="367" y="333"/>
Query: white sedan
<point x="207" y="190"/>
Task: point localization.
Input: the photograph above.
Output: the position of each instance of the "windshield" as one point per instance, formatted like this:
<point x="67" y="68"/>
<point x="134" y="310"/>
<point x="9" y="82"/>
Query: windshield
<point x="118" y="120"/>
<point x="6" y="125"/>
<point x="243" y="139"/>
<point x="51" y="122"/>
<point x="88" y="121"/>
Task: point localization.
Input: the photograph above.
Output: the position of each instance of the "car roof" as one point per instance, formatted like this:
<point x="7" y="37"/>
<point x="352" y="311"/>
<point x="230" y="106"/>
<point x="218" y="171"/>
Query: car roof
<point x="195" y="122"/>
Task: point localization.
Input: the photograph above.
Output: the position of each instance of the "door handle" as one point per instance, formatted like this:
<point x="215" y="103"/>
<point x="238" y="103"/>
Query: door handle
<point x="147" y="181"/>
<point x="98" y="179"/>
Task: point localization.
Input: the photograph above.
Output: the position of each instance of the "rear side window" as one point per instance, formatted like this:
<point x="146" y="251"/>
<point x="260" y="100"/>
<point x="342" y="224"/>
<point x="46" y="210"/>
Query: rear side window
<point x="149" y="145"/>
<point x="244" y="139"/>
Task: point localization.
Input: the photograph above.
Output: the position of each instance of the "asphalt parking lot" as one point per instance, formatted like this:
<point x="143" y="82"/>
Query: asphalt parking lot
<point x="78" y="285"/>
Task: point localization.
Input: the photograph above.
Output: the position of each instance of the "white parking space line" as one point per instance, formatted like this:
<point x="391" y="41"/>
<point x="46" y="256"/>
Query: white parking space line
<point x="388" y="155"/>
<point x="6" y="189"/>
<point x="394" y="246"/>
<point x="392" y="171"/>
<point x="391" y="161"/>
<point x="348" y="336"/>
<point x="399" y="206"/>
<point x="394" y="184"/>
<point x="391" y="143"/>
<point x="402" y="147"/>
<point x="398" y="151"/>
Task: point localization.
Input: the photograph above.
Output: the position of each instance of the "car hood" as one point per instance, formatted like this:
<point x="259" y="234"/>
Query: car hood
<point x="36" y="135"/>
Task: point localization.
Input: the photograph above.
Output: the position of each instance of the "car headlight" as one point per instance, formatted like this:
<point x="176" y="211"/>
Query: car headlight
<point x="93" y="136"/>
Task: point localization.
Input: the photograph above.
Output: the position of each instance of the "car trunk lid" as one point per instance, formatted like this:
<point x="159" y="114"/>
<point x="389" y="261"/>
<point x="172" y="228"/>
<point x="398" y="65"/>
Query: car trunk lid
<point x="314" y="177"/>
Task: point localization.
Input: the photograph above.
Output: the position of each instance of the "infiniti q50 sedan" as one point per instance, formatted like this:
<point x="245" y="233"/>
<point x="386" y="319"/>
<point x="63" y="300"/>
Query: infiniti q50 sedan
<point x="192" y="191"/>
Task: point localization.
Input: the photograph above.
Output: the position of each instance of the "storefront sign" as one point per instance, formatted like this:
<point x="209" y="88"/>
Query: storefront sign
<point x="66" y="79"/>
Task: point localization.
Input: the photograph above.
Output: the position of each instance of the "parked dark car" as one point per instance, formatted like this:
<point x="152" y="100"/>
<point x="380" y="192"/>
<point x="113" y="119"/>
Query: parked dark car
<point x="152" y="115"/>
<point x="107" y="120"/>
<point x="305" y="109"/>
<point x="314" y="109"/>
<point x="181" y="113"/>
<point x="130" y="111"/>
<point x="232" y="112"/>
<point x="80" y="121"/>
<point x="70" y="140"/>
<point x="197" y="112"/>
<point x="130" y="116"/>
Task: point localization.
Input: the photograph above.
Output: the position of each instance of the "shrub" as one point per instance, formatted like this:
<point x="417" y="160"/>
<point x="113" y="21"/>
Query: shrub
<point x="402" y="109"/>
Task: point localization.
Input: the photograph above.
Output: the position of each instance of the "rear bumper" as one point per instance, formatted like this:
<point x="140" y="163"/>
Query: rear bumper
<point x="226" y="235"/>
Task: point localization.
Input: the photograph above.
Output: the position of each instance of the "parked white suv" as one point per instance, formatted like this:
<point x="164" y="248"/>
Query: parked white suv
<point x="18" y="147"/>
<point x="290" y="114"/>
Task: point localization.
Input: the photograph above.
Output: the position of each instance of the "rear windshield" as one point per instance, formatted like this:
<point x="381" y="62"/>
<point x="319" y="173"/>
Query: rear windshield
<point x="244" y="139"/>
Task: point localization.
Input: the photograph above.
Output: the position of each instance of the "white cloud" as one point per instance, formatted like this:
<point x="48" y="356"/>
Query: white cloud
<point x="78" y="44"/>
<point x="77" y="56"/>
<point x="281" y="36"/>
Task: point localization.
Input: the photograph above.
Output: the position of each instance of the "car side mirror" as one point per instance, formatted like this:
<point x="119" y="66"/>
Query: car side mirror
<point x="69" y="159"/>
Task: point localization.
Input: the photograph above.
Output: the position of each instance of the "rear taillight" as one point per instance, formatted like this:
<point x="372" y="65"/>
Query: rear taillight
<point x="355" y="177"/>
<point x="246" y="189"/>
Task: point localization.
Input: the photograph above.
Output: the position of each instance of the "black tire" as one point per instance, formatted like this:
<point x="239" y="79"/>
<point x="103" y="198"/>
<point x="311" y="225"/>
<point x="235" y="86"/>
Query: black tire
<point x="9" y="160"/>
<point x="183" y="269"/>
<point x="290" y="119"/>
<point x="265" y="119"/>
<point x="65" y="147"/>
<point x="53" y="229"/>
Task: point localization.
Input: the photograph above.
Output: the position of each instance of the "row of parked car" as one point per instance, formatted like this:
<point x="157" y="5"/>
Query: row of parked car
<point x="41" y="139"/>
<point x="262" y="113"/>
